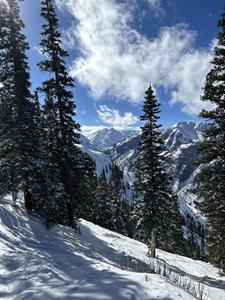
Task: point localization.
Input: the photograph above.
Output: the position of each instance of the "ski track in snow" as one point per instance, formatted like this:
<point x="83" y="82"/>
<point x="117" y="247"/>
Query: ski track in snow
<point x="58" y="263"/>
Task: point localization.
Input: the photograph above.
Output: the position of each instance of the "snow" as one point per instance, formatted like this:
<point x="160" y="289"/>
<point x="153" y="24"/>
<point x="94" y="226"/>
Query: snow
<point x="175" y="154"/>
<point x="189" y="130"/>
<point x="58" y="263"/>
<point x="101" y="159"/>
<point x="183" y="133"/>
<point x="106" y="137"/>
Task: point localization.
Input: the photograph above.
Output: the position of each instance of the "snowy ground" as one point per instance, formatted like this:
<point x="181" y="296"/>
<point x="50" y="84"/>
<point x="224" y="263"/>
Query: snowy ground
<point x="36" y="263"/>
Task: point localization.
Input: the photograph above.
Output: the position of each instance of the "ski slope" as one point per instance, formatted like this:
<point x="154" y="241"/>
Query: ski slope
<point x="58" y="263"/>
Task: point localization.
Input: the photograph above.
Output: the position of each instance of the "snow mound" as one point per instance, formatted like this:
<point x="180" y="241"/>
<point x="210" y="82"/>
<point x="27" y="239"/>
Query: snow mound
<point x="58" y="263"/>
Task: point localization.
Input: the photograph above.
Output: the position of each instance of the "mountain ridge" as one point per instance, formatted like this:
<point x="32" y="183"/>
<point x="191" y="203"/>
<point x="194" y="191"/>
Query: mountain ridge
<point x="181" y="141"/>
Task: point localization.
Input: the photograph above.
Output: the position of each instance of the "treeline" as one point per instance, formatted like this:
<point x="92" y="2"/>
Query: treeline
<point x="40" y="157"/>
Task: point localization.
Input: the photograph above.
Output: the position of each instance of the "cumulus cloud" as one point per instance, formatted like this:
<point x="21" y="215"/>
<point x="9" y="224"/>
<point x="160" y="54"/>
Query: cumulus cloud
<point x="116" y="60"/>
<point x="114" y="118"/>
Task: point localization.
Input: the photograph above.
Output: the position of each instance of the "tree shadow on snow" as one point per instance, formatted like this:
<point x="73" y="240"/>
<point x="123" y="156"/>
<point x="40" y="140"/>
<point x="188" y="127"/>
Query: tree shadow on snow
<point x="62" y="264"/>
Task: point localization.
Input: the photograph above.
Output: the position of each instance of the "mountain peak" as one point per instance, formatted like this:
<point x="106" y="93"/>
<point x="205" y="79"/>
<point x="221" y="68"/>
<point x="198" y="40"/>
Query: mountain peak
<point x="183" y="133"/>
<point x="106" y="137"/>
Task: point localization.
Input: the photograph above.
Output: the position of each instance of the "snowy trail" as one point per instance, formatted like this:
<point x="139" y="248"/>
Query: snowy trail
<point x="36" y="263"/>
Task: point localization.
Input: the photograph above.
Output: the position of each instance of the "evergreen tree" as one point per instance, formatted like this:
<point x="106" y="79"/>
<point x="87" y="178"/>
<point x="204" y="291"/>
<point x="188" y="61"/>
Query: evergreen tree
<point x="120" y="212"/>
<point x="211" y="179"/>
<point x="117" y="176"/>
<point x="5" y="108"/>
<point x="63" y="130"/>
<point x="18" y="146"/>
<point x="111" y="209"/>
<point x="137" y="218"/>
<point x="103" y="208"/>
<point x="156" y="207"/>
<point x="87" y="184"/>
<point x="53" y="205"/>
<point x="120" y="206"/>
<point x="176" y="241"/>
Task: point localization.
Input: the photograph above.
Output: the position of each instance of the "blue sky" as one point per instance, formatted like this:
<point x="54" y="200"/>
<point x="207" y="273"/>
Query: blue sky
<point x="117" y="47"/>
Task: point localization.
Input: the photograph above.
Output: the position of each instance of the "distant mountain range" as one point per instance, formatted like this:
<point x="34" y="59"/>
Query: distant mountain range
<point x="109" y="137"/>
<point x="109" y="146"/>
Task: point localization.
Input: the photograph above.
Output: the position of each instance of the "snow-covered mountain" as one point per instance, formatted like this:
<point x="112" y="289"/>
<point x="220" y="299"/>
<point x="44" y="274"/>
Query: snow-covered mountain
<point x="181" y="141"/>
<point x="96" y="264"/>
<point x="101" y="159"/>
<point x="88" y="144"/>
<point x="108" y="137"/>
<point x="182" y="133"/>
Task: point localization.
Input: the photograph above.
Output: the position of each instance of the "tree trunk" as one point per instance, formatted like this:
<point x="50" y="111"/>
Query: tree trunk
<point x="27" y="199"/>
<point x="153" y="243"/>
<point x="71" y="215"/>
<point x="69" y="191"/>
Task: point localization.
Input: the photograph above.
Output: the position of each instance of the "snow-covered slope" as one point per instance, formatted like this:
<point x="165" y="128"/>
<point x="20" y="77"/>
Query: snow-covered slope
<point x="101" y="159"/>
<point x="40" y="264"/>
<point x="88" y="144"/>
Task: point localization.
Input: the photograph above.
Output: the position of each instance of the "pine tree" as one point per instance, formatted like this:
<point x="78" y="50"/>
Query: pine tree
<point x="103" y="213"/>
<point x="53" y="205"/>
<point x="18" y="147"/>
<point x="87" y="182"/>
<point x="120" y="213"/>
<point x="137" y="217"/>
<point x="156" y="207"/>
<point x="116" y="176"/>
<point x="120" y="206"/>
<point x="211" y="179"/>
<point x="175" y="239"/>
<point x="5" y="105"/>
<point x="64" y="129"/>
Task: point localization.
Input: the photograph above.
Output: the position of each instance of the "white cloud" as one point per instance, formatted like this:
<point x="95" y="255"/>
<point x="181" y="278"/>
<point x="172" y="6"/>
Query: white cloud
<point x="117" y="60"/>
<point x="190" y="75"/>
<point x="156" y="6"/>
<point x="115" y="119"/>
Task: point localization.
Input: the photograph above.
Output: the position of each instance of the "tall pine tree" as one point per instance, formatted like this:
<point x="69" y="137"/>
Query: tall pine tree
<point x="64" y="130"/>
<point x="18" y="141"/>
<point x="53" y="206"/>
<point x="156" y="207"/>
<point x="211" y="179"/>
